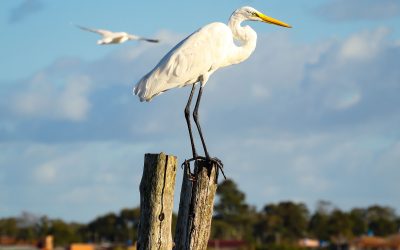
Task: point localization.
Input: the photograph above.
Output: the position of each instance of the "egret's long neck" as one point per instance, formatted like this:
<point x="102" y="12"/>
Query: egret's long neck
<point x="246" y="37"/>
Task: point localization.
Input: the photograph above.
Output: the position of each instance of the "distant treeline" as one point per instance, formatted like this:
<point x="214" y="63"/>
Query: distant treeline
<point x="276" y="224"/>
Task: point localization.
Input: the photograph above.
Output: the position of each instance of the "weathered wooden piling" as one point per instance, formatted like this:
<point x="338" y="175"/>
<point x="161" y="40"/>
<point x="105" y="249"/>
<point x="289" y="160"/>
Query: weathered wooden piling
<point x="196" y="207"/>
<point x="156" y="202"/>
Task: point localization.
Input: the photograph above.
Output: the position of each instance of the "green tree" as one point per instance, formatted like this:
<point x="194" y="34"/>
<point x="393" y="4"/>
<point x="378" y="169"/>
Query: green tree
<point x="114" y="228"/>
<point x="129" y="219"/>
<point x="26" y="234"/>
<point x="285" y="221"/>
<point x="269" y="228"/>
<point x="381" y="220"/>
<point x="233" y="218"/>
<point x="318" y="225"/>
<point x="231" y="200"/>
<point x="8" y="227"/>
<point x="358" y="217"/>
<point x="64" y="233"/>
<point x="340" y="226"/>
<point x="43" y="227"/>
<point x="398" y="224"/>
<point x="28" y="229"/>
<point x="103" y="228"/>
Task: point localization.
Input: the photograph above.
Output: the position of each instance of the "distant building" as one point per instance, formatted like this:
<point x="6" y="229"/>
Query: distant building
<point x="309" y="243"/>
<point x="368" y="242"/>
<point x="10" y="243"/>
<point x="81" y="246"/>
<point x="394" y="241"/>
<point x="48" y="243"/>
<point x="226" y="244"/>
<point x="376" y="243"/>
<point x="5" y="240"/>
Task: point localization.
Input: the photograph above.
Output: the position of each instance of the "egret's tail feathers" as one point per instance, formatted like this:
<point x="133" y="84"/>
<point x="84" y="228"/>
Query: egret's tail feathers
<point x="140" y="91"/>
<point x="149" y="87"/>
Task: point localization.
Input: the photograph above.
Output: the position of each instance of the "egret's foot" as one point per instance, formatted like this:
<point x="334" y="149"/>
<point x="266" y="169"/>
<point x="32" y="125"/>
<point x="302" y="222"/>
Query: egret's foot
<point x="190" y="175"/>
<point x="209" y="160"/>
<point x="219" y="164"/>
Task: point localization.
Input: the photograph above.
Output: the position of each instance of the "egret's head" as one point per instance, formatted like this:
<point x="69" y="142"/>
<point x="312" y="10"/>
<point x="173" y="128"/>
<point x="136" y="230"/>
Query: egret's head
<point x="251" y="14"/>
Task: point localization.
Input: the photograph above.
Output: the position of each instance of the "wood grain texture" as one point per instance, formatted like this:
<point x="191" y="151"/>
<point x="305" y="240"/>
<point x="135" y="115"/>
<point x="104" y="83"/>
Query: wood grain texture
<point x="156" y="202"/>
<point x="181" y="232"/>
<point x="194" y="226"/>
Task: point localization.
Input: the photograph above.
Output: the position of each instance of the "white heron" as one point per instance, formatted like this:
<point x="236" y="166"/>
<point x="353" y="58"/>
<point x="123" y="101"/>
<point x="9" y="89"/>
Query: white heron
<point x="109" y="37"/>
<point x="195" y="58"/>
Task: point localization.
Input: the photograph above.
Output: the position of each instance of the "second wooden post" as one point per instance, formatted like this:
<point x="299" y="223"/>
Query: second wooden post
<point x="196" y="207"/>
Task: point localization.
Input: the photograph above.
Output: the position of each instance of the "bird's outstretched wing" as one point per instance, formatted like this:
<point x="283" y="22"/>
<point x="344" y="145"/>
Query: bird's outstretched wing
<point x="98" y="31"/>
<point x="135" y="37"/>
<point x="149" y="40"/>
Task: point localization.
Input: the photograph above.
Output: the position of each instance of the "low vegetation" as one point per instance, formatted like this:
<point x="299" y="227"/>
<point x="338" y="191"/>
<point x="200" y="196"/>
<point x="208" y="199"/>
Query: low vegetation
<point x="276" y="225"/>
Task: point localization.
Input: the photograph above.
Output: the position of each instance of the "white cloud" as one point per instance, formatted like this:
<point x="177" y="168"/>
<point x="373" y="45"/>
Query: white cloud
<point x="259" y="91"/>
<point x="364" y="46"/>
<point x="42" y="98"/>
<point x="342" y="99"/>
<point x="351" y="72"/>
<point x="46" y="173"/>
<point x="73" y="103"/>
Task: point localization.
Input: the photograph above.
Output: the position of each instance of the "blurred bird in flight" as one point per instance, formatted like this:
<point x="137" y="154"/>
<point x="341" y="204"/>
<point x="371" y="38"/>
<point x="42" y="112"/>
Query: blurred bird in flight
<point x="109" y="37"/>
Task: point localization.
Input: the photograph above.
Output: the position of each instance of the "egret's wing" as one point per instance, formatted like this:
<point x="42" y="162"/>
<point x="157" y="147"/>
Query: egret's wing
<point x="195" y="56"/>
<point x="98" y="31"/>
<point x="198" y="53"/>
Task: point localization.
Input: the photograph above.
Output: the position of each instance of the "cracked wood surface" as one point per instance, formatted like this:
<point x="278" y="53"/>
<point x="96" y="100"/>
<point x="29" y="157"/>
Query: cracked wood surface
<point x="196" y="207"/>
<point x="156" y="202"/>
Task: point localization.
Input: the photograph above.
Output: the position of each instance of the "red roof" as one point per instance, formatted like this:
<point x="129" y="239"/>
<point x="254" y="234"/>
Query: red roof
<point x="226" y="243"/>
<point x="370" y="242"/>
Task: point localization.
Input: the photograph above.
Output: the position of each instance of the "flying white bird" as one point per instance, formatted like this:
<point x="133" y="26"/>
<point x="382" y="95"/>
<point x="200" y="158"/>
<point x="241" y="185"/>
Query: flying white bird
<point x="194" y="59"/>
<point x="109" y="37"/>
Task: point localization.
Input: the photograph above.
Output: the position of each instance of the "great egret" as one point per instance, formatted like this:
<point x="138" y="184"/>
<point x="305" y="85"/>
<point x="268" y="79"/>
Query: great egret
<point x="109" y="37"/>
<point x="199" y="55"/>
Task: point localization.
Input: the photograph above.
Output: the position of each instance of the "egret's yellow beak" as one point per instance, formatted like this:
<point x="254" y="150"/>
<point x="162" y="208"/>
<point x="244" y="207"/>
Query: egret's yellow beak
<point x="271" y="20"/>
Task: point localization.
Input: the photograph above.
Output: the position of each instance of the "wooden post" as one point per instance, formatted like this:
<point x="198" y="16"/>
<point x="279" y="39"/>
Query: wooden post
<point x="182" y="224"/>
<point x="196" y="207"/>
<point x="156" y="202"/>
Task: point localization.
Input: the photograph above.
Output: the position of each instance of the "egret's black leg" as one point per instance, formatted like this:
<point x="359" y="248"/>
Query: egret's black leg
<point x="187" y="116"/>
<point x="207" y="157"/>
<point x="196" y="120"/>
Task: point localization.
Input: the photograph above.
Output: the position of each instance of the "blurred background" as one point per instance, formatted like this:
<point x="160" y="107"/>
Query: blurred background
<point x="309" y="123"/>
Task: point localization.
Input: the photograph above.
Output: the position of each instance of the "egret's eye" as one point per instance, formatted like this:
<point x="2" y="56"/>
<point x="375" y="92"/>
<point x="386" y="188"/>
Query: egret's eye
<point x="254" y="14"/>
<point x="251" y="12"/>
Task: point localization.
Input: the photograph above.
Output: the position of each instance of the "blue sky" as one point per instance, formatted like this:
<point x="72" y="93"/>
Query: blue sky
<point x="313" y="114"/>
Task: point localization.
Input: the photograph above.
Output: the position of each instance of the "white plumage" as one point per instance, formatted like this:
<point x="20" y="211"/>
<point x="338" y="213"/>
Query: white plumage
<point x="195" y="58"/>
